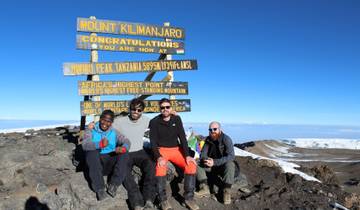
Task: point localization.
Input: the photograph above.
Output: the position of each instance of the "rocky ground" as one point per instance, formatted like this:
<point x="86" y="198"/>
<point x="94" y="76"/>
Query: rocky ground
<point x="37" y="171"/>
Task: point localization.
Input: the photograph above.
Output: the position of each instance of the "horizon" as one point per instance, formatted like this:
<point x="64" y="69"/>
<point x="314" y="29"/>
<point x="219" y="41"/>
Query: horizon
<point x="265" y="62"/>
<point x="237" y="131"/>
<point x="196" y="122"/>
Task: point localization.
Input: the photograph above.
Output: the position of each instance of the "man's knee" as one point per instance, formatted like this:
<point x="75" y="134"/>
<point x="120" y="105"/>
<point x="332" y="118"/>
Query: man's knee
<point x="230" y="166"/>
<point x="190" y="169"/>
<point x="92" y="155"/>
<point x="123" y="157"/>
<point x="201" y="173"/>
<point x="160" y="170"/>
<point x="229" y="172"/>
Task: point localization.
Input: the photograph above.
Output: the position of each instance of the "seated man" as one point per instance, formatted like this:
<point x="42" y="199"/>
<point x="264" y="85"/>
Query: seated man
<point x="217" y="157"/>
<point x="133" y="126"/>
<point x="168" y="142"/>
<point x="106" y="152"/>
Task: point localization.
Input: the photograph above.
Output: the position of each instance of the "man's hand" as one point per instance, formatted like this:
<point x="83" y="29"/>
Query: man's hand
<point x="189" y="160"/>
<point x="120" y="150"/>
<point x="104" y="142"/>
<point x="91" y="126"/>
<point x="161" y="162"/>
<point x="209" y="162"/>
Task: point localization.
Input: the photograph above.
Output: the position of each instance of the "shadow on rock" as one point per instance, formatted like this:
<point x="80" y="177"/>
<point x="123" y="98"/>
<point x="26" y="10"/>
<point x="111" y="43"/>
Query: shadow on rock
<point x="72" y="136"/>
<point x="33" y="204"/>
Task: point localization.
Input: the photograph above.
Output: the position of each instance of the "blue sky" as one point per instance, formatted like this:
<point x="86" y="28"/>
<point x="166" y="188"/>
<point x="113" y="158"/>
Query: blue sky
<point x="276" y="62"/>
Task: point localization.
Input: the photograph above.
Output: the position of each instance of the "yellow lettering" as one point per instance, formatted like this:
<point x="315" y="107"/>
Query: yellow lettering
<point x="123" y="28"/>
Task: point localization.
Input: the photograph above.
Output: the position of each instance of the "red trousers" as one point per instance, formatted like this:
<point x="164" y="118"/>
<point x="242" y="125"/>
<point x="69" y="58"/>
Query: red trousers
<point x="175" y="156"/>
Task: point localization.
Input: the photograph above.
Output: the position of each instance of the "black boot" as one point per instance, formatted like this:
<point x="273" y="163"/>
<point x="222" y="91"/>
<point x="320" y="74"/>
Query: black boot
<point x="101" y="195"/>
<point x="161" y="189"/>
<point x="189" y="188"/>
<point x="111" y="190"/>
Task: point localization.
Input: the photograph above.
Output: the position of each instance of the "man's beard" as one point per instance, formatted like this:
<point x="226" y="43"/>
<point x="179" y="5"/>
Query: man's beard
<point x="215" y="136"/>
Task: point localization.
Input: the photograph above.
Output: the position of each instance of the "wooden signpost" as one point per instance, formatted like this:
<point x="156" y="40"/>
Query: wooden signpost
<point x="73" y="69"/>
<point x="152" y="106"/>
<point x="85" y="42"/>
<point x="132" y="88"/>
<point x="127" y="28"/>
<point x="92" y="88"/>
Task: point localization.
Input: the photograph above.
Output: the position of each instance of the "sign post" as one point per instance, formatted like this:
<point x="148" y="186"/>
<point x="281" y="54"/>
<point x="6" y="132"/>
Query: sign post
<point x="170" y="73"/>
<point x="94" y="57"/>
<point x="93" y="88"/>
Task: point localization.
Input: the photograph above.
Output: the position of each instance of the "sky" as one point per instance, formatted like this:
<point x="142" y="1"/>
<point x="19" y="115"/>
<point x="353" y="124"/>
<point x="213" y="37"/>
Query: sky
<point x="265" y="62"/>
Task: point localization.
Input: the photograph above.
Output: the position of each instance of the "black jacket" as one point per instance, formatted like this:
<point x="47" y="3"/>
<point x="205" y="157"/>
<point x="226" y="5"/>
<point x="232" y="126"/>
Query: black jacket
<point x="167" y="134"/>
<point x="226" y="149"/>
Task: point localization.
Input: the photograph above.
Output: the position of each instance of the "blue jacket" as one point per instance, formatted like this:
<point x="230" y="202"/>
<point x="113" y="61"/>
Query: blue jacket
<point x="93" y="137"/>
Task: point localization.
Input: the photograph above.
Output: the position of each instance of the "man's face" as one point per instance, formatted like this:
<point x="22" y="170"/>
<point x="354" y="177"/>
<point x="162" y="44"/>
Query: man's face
<point x="165" y="109"/>
<point x="214" y="131"/>
<point x="105" y="122"/>
<point x="136" y="112"/>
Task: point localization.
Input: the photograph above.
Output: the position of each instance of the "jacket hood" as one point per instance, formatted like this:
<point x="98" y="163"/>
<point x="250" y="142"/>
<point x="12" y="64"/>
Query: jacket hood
<point x="98" y="129"/>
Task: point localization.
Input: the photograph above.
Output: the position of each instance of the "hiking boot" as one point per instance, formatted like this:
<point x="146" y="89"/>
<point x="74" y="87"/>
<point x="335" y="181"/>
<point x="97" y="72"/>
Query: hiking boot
<point x="149" y="205"/>
<point x="112" y="188"/>
<point x="227" y="196"/>
<point x="204" y="191"/>
<point x="191" y="204"/>
<point x="101" y="195"/>
<point x="165" y="205"/>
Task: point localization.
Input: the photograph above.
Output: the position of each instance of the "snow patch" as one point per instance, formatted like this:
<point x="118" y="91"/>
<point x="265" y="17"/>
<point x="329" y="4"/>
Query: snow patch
<point x="318" y="143"/>
<point x="287" y="167"/>
<point x="280" y="151"/>
<point x="22" y="130"/>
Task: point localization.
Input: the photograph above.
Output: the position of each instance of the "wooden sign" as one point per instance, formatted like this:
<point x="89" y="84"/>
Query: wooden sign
<point x="85" y="42"/>
<point x="127" y="28"/>
<point x="132" y="88"/>
<point x="151" y="106"/>
<point x="71" y="69"/>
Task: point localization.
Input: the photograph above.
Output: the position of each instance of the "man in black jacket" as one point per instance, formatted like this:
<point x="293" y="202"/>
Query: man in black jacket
<point x="165" y="130"/>
<point x="217" y="157"/>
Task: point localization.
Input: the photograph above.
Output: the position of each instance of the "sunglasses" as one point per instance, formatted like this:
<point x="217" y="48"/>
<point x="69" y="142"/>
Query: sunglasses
<point x="164" y="107"/>
<point x="213" y="129"/>
<point x="136" y="110"/>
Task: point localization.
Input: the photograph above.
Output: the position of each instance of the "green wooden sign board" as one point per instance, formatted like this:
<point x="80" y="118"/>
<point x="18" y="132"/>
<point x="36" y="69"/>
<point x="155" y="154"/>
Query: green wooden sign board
<point x="132" y="88"/>
<point x="128" y="28"/>
<point x="71" y="69"/>
<point x="85" y="42"/>
<point x="151" y="106"/>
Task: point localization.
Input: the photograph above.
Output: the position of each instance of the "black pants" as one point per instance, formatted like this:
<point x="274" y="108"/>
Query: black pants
<point x="144" y="161"/>
<point x="106" y="164"/>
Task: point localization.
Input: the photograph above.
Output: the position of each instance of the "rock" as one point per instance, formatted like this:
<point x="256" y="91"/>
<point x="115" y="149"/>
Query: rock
<point x="325" y="174"/>
<point x="41" y="188"/>
<point x="352" y="182"/>
<point x="37" y="171"/>
<point x="352" y="201"/>
<point x="245" y="145"/>
<point x="268" y="163"/>
<point x="74" y="193"/>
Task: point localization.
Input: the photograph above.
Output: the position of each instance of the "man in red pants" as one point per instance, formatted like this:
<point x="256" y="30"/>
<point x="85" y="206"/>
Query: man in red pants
<point x="165" y="130"/>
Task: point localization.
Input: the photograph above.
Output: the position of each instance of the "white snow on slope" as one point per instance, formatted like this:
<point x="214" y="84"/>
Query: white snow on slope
<point x="21" y="130"/>
<point x="318" y="143"/>
<point x="287" y="167"/>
